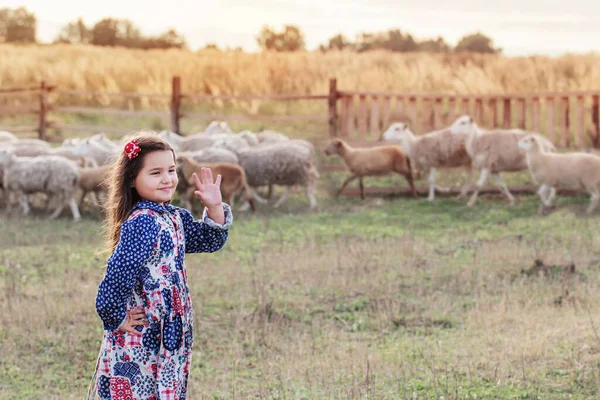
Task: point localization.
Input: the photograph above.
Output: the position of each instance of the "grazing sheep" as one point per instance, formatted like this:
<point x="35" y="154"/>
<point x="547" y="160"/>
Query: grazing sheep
<point x="283" y="164"/>
<point x="97" y="151"/>
<point x="216" y="127"/>
<point x="493" y="152"/>
<point x="187" y="143"/>
<point x="271" y="136"/>
<point x="56" y="176"/>
<point x="212" y="154"/>
<point x="438" y="149"/>
<point x="373" y="161"/>
<point x="233" y="179"/>
<point x="93" y="179"/>
<point x="7" y="137"/>
<point x="576" y="171"/>
<point x="32" y="142"/>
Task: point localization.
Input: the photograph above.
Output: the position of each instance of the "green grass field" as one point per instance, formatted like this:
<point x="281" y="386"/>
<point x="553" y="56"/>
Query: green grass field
<point x="387" y="298"/>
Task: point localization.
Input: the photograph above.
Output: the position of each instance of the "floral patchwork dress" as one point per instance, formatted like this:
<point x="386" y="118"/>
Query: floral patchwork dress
<point x="147" y="270"/>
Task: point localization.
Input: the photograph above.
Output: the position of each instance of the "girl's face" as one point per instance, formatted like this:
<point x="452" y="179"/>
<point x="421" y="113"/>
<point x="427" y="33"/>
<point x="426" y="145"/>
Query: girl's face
<point x="157" y="179"/>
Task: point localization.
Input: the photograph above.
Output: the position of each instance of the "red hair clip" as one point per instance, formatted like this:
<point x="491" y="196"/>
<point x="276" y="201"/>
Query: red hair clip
<point x="132" y="149"/>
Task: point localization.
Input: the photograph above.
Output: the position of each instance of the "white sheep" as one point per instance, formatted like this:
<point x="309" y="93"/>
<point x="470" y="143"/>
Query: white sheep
<point x="429" y="152"/>
<point x="96" y="150"/>
<point x="216" y="127"/>
<point x="281" y="164"/>
<point x="7" y="137"/>
<point x="493" y="152"/>
<point x="271" y="136"/>
<point x="575" y="171"/>
<point x="56" y="176"/>
<point x="187" y="143"/>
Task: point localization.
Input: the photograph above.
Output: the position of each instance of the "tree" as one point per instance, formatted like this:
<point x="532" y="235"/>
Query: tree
<point x="290" y="39"/>
<point x="438" y="45"/>
<point x="338" y="42"/>
<point x="115" y="32"/>
<point x="476" y="43"/>
<point x="18" y="25"/>
<point x="74" y="32"/>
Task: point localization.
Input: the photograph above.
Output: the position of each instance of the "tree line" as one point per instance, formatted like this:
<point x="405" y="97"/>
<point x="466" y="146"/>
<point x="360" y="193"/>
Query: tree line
<point x="20" y="26"/>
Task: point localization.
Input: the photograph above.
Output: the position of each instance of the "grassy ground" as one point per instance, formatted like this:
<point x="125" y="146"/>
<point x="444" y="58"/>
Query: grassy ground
<point x="386" y="298"/>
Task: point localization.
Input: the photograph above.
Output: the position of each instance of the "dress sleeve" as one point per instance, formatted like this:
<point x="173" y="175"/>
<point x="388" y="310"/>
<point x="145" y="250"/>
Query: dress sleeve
<point x="205" y="236"/>
<point x="137" y="240"/>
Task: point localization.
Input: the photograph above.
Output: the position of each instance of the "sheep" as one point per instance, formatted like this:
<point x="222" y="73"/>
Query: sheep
<point x="271" y="136"/>
<point x="93" y="179"/>
<point x="281" y="164"/>
<point x="187" y="143"/>
<point x="7" y="137"/>
<point x="53" y="175"/>
<point x="437" y="149"/>
<point x="233" y="179"/>
<point x="374" y="161"/>
<point x="493" y="152"/>
<point x="95" y="150"/>
<point x="216" y="127"/>
<point x="576" y="171"/>
<point x="213" y="154"/>
<point x="32" y="142"/>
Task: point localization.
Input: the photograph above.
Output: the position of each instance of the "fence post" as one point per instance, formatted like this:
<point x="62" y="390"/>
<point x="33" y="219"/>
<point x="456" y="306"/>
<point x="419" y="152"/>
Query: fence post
<point x="332" y="102"/>
<point x="176" y="104"/>
<point x="43" y="111"/>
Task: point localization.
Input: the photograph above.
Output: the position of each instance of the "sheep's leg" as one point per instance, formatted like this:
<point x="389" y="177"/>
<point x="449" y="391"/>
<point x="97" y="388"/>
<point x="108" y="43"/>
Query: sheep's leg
<point x="283" y="197"/>
<point x="270" y="192"/>
<point x="74" y="209"/>
<point x="58" y="210"/>
<point x="346" y="182"/>
<point x="83" y="196"/>
<point x="467" y="185"/>
<point x="24" y="203"/>
<point x="362" y="188"/>
<point x="504" y="189"/>
<point x="312" y="198"/>
<point x="482" y="179"/>
<point x="431" y="181"/>
<point x="593" y="201"/>
<point x="245" y="206"/>
<point x="543" y="194"/>
<point x="550" y="197"/>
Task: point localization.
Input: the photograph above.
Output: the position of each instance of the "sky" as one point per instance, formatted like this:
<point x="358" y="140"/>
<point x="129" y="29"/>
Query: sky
<point x="525" y="27"/>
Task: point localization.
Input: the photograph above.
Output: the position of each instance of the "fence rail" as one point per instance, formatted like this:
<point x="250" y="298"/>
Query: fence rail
<point x="569" y="119"/>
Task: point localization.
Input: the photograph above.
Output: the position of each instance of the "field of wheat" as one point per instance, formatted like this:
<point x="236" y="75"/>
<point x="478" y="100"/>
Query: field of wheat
<point x="211" y="72"/>
<point x="215" y="72"/>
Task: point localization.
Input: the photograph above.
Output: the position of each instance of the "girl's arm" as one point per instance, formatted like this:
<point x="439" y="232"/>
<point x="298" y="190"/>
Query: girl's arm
<point x="205" y="236"/>
<point x="138" y="237"/>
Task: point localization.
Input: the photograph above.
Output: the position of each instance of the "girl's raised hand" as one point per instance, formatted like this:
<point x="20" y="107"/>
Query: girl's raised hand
<point x="208" y="192"/>
<point x="135" y="317"/>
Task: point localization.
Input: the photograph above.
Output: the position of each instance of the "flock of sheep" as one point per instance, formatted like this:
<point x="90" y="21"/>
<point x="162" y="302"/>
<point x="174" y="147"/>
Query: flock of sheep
<point x="247" y="161"/>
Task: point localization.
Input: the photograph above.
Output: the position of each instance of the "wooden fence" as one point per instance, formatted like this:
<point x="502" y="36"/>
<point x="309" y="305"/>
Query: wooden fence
<point x="569" y="119"/>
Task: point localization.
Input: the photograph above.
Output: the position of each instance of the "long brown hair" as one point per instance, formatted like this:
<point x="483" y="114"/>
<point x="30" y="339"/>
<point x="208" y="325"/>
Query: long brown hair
<point x="122" y="196"/>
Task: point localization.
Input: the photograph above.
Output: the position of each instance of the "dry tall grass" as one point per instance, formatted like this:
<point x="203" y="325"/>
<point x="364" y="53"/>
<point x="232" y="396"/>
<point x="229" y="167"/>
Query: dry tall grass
<point x="116" y="69"/>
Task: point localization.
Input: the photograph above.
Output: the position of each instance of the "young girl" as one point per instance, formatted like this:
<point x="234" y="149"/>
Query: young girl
<point x="144" y="301"/>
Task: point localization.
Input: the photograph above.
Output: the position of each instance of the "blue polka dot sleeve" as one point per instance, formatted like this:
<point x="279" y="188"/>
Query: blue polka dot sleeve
<point x="138" y="237"/>
<point x="205" y="236"/>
